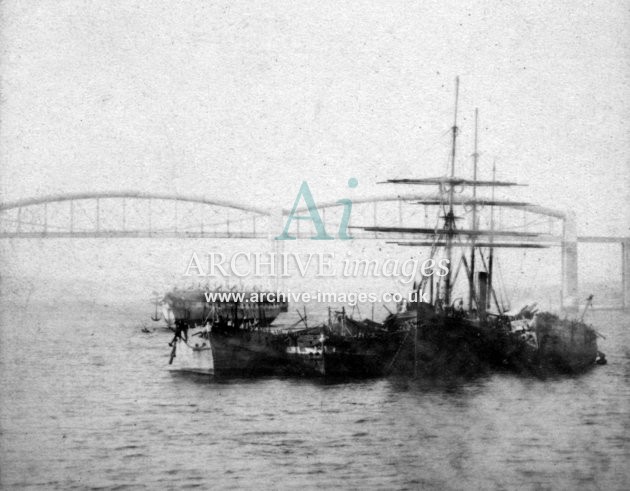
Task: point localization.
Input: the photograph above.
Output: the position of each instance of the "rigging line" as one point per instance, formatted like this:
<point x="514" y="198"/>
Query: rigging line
<point x="459" y="265"/>
<point x="474" y="295"/>
<point x="463" y="257"/>
<point x="436" y="142"/>
<point x="519" y="282"/>
<point x="502" y="289"/>
<point x="436" y="238"/>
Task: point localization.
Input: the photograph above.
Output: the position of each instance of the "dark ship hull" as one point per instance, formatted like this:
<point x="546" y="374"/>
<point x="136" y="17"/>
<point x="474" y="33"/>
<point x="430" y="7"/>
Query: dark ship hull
<point x="566" y="346"/>
<point x="237" y="332"/>
<point x="317" y="352"/>
<point x="243" y="345"/>
<point x="347" y="349"/>
<point x="337" y="364"/>
<point x="543" y="344"/>
<point x="248" y="353"/>
<point x="343" y="358"/>
<point x="447" y="343"/>
<point x="456" y="343"/>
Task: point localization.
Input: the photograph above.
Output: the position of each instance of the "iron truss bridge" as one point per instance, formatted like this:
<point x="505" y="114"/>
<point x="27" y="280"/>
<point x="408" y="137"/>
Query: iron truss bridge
<point x="404" y="219"/>
<point x="129" y="214"/>
<point x="144" y="215"/>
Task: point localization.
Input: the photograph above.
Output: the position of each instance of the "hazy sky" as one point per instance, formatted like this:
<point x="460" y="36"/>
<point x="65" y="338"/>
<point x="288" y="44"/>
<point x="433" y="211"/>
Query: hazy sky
<point x="244" y="100"/>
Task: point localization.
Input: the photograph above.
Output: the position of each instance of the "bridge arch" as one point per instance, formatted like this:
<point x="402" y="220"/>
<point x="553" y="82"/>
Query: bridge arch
<point x="235" y="220"/>
<point x="131" y="195"/>
<point x="107" y="214"/>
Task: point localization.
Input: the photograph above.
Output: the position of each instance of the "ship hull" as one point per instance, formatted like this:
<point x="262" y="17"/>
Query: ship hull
<point x="345" y="356"/>
<point x="248" y="353"/>
<point x="193" y="355"/>
<point x="565" y="346"/>
<point x="354" y="365"/>
<point x="456" y="344"/>
<point x="441" y="344"/>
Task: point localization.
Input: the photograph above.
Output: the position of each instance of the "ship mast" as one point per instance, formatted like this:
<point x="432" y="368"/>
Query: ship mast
<point x="449" y="224"/>
<point x="445" y="236"/>
<point x="471" y="278"/>
<point x="491" y="252"/>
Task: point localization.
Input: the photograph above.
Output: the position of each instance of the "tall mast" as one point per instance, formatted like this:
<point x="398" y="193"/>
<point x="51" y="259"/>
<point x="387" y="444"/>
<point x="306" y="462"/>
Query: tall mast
<point x="471" y="279"/>
<point x="454" y="146"/>
<point x="450" y="218"/>
<point x="491" y="253"/>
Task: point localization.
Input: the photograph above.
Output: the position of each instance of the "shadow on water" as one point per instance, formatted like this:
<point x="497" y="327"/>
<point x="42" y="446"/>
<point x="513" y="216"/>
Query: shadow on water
<point x="446" y="385"/>
<point x="262" y="379"/>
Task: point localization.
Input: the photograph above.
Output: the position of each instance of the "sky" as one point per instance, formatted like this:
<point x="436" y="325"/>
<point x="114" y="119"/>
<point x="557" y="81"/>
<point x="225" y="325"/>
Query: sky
<point x="245" y="100"/>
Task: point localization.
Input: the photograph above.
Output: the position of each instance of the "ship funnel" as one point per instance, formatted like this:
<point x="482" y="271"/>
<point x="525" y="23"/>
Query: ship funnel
<point x="482" y="288"/>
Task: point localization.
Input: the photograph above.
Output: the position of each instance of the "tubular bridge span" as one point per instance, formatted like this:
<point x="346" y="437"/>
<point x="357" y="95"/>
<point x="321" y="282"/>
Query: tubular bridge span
<point x="132" y="214"/>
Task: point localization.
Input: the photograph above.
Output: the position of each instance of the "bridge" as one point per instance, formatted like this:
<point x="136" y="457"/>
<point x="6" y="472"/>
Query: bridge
<point x="130" y="214"/>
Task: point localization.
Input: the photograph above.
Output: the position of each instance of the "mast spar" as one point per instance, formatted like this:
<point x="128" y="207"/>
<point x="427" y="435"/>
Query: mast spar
<point x="450" y="218"/>
<point x="491" y="252"/>
<point x="471" y="277"/>
<point x="444" y="237"/>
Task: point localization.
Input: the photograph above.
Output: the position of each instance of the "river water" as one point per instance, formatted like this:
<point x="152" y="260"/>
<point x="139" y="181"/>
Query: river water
<point x="87" y="402"/>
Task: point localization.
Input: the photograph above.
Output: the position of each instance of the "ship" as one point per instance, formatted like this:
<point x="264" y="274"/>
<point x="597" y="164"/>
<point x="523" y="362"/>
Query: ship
<point x="229" y="346"/>
<point x="474" y="334"/>
<point x="225" y="335"/>
<point x="195" y="306"/>
<point x="550" y="344"/>
<point x="343" y="348"/>
<point x="444" y="336"/>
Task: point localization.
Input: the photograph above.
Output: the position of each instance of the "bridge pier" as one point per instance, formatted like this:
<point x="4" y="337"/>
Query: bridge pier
<point x="569" y="298"/>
